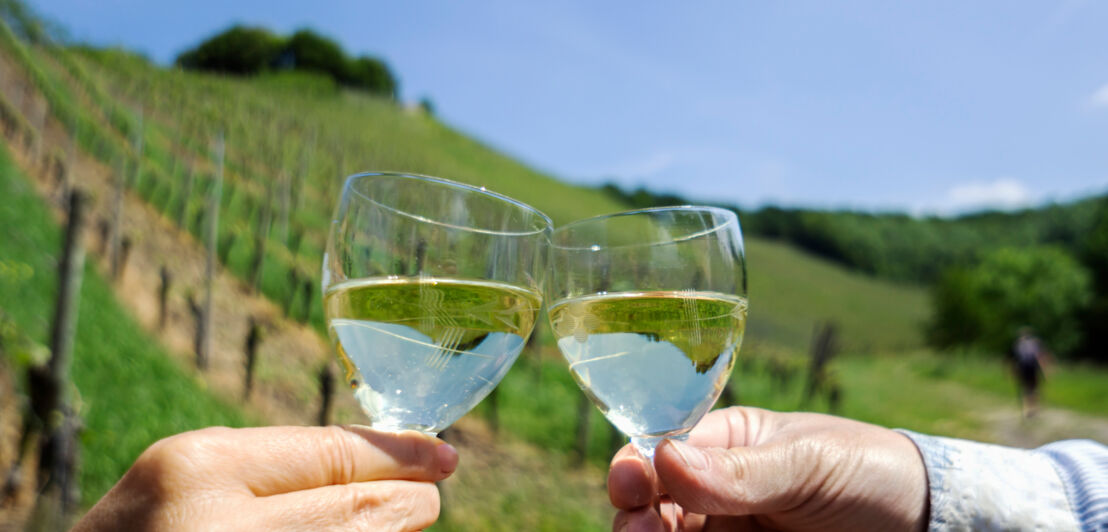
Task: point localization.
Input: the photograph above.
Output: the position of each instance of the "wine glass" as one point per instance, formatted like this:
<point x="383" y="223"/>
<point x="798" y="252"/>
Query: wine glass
<point x="649" y="310"/>
<point x="431" y="289"/>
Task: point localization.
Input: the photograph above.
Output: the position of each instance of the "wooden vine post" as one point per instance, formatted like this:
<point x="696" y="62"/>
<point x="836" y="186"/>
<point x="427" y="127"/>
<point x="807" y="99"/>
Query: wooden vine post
<point x="116" y="222"/>
<point x="326" y="392"/>
<point x="163" y="296"/>
<point x="39" y="112"/>
<point x="209" y="270"/>
<point x="182" y="206"/>
<point x="138" y="146"/>
<point x="260" y="238"/>
<point x="50" y="386"/>
<point x="250" y="346"/>
<point x="824" y="348"/>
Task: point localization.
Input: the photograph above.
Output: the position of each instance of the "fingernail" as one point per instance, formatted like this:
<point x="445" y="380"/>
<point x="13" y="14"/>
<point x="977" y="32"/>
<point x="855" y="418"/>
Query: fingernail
<point x="448" y="457"/>
<point x="693" y="458"/>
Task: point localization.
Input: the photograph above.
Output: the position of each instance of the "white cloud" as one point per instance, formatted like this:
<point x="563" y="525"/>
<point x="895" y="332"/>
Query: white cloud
<point x="1004" y="193"/>
<point x="637" y="170"/>
<point x="1100" y="97"/>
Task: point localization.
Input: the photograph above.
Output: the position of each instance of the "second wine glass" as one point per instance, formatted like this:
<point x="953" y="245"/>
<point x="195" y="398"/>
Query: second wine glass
<point x="649" y="310"/>
<point x="431" y="289"/>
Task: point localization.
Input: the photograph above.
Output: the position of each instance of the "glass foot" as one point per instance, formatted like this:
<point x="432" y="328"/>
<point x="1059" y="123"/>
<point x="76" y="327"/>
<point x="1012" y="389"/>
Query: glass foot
<point x="647" y="444"/>
<point x="402" y="427"/>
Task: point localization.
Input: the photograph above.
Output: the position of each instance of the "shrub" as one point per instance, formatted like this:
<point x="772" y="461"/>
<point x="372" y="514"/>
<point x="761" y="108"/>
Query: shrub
<point x="983" y="306"/>
<point x="243" y="50"/>
<point x="240" y="50"/>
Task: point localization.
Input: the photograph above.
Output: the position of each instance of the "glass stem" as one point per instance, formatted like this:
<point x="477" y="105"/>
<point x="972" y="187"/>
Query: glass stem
<point x="647" y="444"/>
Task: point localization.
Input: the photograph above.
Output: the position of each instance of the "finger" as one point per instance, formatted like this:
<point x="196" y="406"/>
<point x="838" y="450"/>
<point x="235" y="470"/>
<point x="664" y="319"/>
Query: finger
<point x="272" y="460"/>
<point x="640" y="520"/>
<point x="693" y="522"/>
<point x="736" y="481"/>
<point x="673" y="517"/>
<point x="631" y="480"/>
<point x="381" y="505"/>
<point x="731" y="427"/>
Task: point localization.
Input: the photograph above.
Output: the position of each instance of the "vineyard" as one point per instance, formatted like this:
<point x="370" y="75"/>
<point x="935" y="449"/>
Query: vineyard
<point x="208" y="203"/>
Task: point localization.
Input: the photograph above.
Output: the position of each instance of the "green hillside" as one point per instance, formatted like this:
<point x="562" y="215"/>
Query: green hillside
<point x="130" y="391"/>
<point x="290" y="140"/>
<point x="790" y="291"/>
<point x="336" y="133"/>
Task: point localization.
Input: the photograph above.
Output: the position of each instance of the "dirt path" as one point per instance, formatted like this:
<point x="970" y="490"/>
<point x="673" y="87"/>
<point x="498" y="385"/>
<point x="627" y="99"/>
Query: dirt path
<point x="1006" y="426"/>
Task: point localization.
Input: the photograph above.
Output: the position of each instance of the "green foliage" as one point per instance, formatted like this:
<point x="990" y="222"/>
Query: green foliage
<point x="25" y="23"/>
<point x="238" y="50"/>
<point x="373" y="75"/>
<point x="243" y="50"/>
<point x="956" y="316"/>
<point x="1042" y="287"/>
<point x="897" y="246"/>
<point x="427" y="106"/>
<point x="307" y="50"/>
<point x="1094" y="253"/>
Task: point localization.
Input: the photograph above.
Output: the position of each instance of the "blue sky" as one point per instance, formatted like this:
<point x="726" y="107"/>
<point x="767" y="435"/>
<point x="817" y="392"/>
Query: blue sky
<point x="940" y="106"/>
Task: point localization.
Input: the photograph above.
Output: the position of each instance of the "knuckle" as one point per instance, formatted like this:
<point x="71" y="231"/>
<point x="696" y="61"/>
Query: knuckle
<point x="411" y="450"/>
<point x="400" y="508"/>
<point x="812" y="462"/>
<point x="166" y="455"/>
<point x="165" y="466"/>
<point x="363" y="502"/>
<point x="711" y="497"/>
<point x="734" y="465"/>
<point x="183" y="452"/>
<point x="341" y="453"/>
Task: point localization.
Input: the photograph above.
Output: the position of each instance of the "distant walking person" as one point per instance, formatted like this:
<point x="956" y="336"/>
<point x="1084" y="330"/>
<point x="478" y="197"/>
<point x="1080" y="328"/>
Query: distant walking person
<point x="1028" y="356"/>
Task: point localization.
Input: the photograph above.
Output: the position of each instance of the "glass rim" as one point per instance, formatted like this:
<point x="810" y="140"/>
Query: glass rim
<point x="728" y="214"/>
<point x="548" y="225"/>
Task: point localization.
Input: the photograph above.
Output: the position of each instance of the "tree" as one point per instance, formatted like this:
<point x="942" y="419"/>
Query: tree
<point x="239" y="50"/>
<point x="243" y="50"/>
<point x="1094" y="253"/>
<point x="374" y="76"/>
<point x="307" y="50"/>
<point x="983" y="306"/>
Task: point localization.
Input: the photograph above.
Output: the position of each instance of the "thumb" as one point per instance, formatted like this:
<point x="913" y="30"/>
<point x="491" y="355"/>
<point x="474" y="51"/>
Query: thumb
<point x="737" y="481"/>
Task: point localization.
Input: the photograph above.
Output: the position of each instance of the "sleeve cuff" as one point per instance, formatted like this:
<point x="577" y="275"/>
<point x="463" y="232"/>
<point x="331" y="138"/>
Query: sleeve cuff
<point x="978" y="486"/>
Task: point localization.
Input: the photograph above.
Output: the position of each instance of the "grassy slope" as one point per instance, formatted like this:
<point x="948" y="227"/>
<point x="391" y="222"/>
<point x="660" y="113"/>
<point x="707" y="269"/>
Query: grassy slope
<point x="132" y="392"/>
<point x="790" y="291"/>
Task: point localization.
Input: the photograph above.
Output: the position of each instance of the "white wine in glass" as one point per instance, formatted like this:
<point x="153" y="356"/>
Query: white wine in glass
<point x="649" y="311"/>
<point x="431" y="290"/>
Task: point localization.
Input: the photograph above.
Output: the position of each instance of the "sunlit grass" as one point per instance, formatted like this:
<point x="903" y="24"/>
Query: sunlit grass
<point x="131" y="392"/>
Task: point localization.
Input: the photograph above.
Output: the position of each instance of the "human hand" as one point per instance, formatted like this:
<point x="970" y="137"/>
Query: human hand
<point x="752" y="469"/>
<point x="279" y="478"/>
